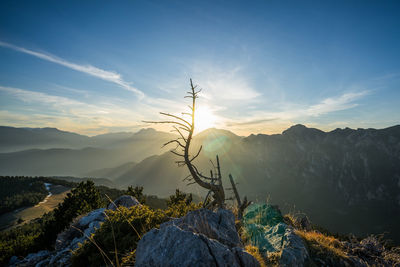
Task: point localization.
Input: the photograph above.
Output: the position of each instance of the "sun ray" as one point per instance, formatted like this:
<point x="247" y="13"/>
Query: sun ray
<point x="204" y="119"/>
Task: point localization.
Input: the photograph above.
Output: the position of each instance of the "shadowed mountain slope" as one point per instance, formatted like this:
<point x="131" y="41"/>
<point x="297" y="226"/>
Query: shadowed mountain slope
<point x="111" y="173"/>
<point x="16" y="139"/>
<point x="147" y="141"/>
<point x="346" y="180"/>
<point x="107" y="151"/>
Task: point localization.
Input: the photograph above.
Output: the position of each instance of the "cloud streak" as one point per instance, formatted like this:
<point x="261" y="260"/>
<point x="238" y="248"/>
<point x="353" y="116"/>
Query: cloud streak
<point x="31" y="96"/>
<point x="343" y="102"/>
<point x="252" y="122"/>
<point x="291" y="113"/>
<point x="62" y="107"/>
<point x="109" y="76"/>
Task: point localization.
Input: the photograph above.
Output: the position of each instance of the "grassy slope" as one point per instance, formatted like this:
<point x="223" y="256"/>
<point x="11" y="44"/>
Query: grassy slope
<point x="27" y="214"/>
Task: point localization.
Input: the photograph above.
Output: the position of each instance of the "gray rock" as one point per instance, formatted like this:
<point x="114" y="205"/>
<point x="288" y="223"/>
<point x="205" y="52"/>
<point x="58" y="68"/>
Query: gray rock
<point x="69" y="240"/>
<point x="80" y="230"/>
<point x="218" y="225"/>
<point x="43" y="263"/>
<point x="61" y="258"/>
<point x="95" y="215"/>
<point x="125" y="201"/>
<point x="294" y="251"/>
<point x="201" y="238"/>
<point x="13" y="260"/>
<point x="245" y="259"/>
<point x="31" y="260"/>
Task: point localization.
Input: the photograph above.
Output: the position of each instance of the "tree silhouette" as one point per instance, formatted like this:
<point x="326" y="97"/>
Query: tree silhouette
<point x="185" y="128"/>
<point x="137" y="192"/>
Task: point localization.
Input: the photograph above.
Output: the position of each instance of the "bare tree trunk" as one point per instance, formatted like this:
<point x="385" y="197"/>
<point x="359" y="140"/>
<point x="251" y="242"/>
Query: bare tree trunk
<point x="181" y="125"/>
<point x="241" y="206"/>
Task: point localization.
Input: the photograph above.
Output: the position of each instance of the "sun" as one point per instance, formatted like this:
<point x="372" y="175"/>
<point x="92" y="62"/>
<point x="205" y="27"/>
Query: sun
<point x="204" y="119"/>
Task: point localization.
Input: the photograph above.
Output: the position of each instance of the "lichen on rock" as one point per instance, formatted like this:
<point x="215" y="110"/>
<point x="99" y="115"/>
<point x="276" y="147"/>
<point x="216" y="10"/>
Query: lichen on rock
<point x="265" y="228"/>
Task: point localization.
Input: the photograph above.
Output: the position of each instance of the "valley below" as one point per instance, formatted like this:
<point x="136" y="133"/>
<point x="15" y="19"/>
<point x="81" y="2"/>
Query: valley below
<point x="26" y="214"/>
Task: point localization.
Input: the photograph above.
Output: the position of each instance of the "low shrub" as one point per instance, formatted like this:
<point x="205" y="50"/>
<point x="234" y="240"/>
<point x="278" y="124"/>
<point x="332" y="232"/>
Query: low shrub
<point x="114" y="243"/>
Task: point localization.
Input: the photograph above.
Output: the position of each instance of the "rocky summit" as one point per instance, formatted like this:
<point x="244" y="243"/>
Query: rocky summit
<point x="201" y="238"/>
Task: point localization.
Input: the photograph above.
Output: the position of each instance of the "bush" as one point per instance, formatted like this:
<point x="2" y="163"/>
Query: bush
<point x="21" y="240"/>
<point x="84" y="198"/>
<point x="118" y="236"/>
<point x="178" y="197"/>
<point x="137" y="192"/>
<point x="41" y="233"/>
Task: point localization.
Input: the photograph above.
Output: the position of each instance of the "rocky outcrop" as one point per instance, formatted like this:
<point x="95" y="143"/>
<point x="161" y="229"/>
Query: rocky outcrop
<point x="125" y="201"/>
<point x="265" y="229"/>
<point x="69" y="240"/>
<point x="201" y="238"/>
<point x="371" y="251"/>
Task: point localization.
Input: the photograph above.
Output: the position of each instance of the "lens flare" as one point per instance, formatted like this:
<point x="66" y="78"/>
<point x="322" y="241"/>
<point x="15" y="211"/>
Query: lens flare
<point x="204" y="119"/>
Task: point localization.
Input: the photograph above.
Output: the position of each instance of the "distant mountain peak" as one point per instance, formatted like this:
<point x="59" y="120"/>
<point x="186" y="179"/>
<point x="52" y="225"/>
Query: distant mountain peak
<point x="298" y="128"/>
<point x="302" y="130"/>
<point x="146" y="130"/>
<point x="214" y="132"/>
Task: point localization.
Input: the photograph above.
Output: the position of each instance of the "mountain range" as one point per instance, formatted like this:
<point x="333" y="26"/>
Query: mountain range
<point x="345" y="180"/>
<point x="51" y="152"/>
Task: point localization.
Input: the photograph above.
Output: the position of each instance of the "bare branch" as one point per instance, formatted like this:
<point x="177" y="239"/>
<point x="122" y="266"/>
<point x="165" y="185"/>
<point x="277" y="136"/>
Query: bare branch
<point x="187" y="177"/>
<point x="198" y="153"/>
<point x="201" y="175"/>
<point x="176" y="153"/>
<point x="174" y="141"/>
<point x="176" y="117"/>
<point x="187" y="130"/>
<point x="180" y="133"/>
<point x="173" y="122"/>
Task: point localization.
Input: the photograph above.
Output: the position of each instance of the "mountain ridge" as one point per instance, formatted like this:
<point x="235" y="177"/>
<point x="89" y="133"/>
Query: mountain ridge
<point x="337" y="176"/>
<point x="353" y="173"/>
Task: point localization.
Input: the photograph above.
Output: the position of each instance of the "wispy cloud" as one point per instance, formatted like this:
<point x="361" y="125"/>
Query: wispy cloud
<point x="62" y="88"/>
<point x="289" y="113"/>
<point x="343" y="102"/>
<point x="31" y="96"/>
<point x="43" y="109"/>
<point x="110" y="76"/>
<point x="250" y="122"/>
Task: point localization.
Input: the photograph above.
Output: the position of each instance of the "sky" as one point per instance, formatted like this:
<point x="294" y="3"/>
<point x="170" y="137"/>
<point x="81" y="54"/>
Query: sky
<point x="94" y="67"/>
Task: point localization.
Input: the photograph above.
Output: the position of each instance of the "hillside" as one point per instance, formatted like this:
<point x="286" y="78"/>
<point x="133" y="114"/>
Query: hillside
<point x="15" y="139"/>
<point x="335" y="177"/>
<point x="111" y="173"/>
<point x="89" y="153"/>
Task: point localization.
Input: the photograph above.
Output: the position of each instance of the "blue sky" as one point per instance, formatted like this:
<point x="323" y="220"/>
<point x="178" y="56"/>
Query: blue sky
<point x="104" y="66"/>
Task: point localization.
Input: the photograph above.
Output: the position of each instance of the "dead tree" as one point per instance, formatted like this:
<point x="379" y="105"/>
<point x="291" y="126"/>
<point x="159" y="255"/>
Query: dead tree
<point x="242" y="205"/>
<point x="185" y="129"/>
